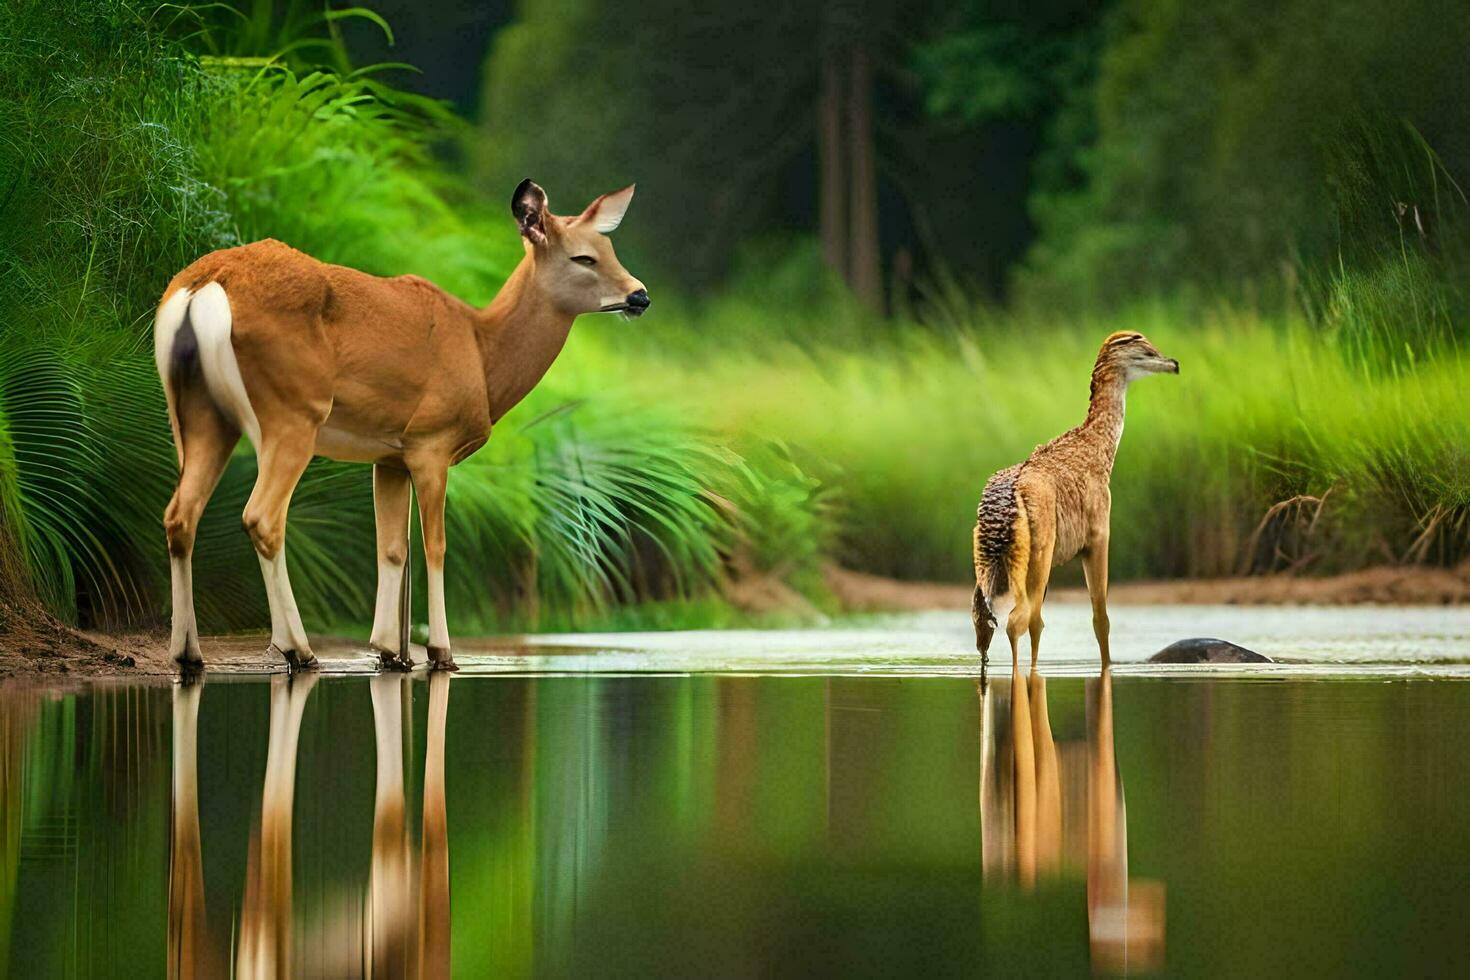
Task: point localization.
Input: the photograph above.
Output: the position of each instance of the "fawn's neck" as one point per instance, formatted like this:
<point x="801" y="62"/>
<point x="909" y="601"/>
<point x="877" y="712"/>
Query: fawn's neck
<point x="520" y="334"/>
<point x="1104" y="424"/>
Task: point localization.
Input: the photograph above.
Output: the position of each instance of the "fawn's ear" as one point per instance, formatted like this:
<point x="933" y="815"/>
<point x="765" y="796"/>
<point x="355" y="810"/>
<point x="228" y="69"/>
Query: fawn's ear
<point x="606" y="213"/>
<point x="528" y="204"/>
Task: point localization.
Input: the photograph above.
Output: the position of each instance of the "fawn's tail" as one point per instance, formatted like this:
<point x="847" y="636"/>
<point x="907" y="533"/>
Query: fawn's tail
<point x="994" y="542"/>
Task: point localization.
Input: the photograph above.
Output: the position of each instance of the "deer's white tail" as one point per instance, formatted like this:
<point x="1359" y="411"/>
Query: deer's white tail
<point x="192" y="345"/>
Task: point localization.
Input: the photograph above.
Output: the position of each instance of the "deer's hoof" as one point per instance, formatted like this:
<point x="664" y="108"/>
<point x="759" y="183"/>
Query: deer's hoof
<point x="392" y="659"/>
<point x="295" y="659"/>
<point x="441" y="659"/>
<point x="188" y="659"/>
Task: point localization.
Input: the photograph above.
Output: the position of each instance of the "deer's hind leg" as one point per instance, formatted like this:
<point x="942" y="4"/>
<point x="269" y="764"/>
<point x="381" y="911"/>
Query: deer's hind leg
<point x="391" y="500"/>
<point x="205" y="440"/>
<point x="282" y="459"/>
<point x="431" y="480"/>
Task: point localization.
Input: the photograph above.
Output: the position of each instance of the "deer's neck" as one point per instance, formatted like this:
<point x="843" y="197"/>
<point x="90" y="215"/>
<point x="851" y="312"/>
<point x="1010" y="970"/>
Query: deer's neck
<point x="1104" y="425"/>
<point x="520" y="334"/>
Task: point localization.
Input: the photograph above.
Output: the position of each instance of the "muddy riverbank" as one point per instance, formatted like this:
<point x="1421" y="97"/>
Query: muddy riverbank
<point x="53" y="652"/>
<point x="1394" y="585"/>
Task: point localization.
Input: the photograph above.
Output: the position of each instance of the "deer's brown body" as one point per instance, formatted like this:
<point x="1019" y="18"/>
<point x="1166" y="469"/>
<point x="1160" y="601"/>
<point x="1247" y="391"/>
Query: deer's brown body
<point x="1057" y="505"/>
<point x="329" y="347"/>
<point x="307" y="358"/>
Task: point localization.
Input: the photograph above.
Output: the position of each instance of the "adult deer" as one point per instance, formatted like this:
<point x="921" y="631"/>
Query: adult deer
<point x="307" y="358"/>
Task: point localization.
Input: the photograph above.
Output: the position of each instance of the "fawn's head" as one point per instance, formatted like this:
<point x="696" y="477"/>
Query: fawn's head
<point x="1130" y="354"/>
<point x="574" y="257"/>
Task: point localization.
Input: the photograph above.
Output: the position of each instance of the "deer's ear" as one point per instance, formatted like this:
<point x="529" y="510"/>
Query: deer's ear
<point x="528" y="204"/>
<point x="606" y="213"/>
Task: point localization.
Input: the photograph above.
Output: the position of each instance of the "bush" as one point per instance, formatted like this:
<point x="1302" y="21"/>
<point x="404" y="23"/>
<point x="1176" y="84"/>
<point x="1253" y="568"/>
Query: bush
<point x="129" y="158"/>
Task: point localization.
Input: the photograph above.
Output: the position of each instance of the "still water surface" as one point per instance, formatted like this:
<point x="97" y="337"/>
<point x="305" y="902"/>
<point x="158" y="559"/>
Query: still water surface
<point x="736" y="826"/>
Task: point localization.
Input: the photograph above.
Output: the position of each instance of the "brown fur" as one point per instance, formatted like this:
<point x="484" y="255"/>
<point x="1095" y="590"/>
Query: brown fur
<point x="1060" y="506"/>
<point x="390" y="371"/>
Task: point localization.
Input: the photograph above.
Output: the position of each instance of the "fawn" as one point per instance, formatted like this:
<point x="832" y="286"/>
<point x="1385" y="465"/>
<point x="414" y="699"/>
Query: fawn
<point x="1040" y="513"/>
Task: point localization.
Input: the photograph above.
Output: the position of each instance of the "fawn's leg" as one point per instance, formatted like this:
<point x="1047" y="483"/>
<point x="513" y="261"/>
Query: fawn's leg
<point x="1038" y="576"/>
<point x="1095" y="569"/>
<point x="1020" y="615"/>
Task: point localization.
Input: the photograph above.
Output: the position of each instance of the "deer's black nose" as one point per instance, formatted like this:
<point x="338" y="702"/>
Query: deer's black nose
<point x="639" y="300"/>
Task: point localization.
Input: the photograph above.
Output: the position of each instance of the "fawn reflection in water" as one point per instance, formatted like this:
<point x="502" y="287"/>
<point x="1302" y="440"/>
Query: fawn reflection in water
<point x="1047" y="810"/>
<point x="399" y="928"/>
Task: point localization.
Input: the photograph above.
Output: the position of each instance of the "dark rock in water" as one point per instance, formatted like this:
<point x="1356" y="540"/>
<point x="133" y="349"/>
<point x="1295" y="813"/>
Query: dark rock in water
<point x="1203" y="650"/>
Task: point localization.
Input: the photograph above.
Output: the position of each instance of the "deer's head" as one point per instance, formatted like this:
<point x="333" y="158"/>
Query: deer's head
<point x="575" y="261"/>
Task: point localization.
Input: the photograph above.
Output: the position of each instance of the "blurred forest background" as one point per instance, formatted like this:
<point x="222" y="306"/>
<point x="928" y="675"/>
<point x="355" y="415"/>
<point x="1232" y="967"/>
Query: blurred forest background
<point x="883" y="239"/>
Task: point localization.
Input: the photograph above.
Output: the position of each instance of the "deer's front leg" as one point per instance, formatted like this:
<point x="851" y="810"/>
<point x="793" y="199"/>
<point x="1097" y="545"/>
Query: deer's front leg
<point x="432" y="481"/>
<point x="390" y="506"/>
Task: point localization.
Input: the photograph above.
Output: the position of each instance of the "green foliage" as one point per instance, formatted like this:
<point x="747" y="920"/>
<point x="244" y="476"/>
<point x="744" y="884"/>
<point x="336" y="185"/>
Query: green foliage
<point x="327" y="163"/>
<point x="1243" y="145"/>
<point x="1220" y="144"/>
<point x="587" y="97"/>
<point x="98" y="192"/>
<point x="297" y="32"/>
<point x="129" y="159"/>
<point x="50" y="450"/>
<point x="971" y="75"/>
<point x="576" y="508"/>
<point x="991" y="62"/>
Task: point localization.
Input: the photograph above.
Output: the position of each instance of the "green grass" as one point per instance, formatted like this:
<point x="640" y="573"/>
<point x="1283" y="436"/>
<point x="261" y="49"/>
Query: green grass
<point x="904" y="434"/>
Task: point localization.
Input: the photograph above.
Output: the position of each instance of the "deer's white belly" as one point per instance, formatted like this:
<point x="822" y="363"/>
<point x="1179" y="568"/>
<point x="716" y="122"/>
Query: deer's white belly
<point x="354" y="447"/>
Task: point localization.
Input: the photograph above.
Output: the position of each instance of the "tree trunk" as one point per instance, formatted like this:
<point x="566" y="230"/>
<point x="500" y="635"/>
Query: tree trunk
<point x="833" y="185"/>
<point x="866" y="274"/>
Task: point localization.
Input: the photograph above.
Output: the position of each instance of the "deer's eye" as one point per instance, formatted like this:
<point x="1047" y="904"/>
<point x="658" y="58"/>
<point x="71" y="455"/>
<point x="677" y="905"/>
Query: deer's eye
<point x="584" y="260"/>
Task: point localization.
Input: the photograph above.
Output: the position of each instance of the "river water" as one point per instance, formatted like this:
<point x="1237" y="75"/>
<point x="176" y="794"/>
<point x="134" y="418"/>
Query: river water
<point x="740" y="804"/>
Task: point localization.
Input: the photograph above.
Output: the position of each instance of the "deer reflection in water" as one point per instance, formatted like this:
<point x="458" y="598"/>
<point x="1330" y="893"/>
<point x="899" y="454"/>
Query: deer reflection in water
<point x="400" y="928"/>
<point x="188" y="946"/>
<point x="1049" y="809"/>
<point x="407" y="928"/>
<point x="265" y="917"/>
